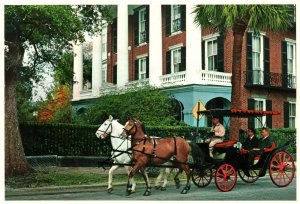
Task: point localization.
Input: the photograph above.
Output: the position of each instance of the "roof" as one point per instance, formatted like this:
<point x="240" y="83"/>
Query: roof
<point x="237" y="113"/>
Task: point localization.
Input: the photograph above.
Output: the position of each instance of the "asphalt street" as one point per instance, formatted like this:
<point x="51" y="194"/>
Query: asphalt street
<point x="263" y="189"/>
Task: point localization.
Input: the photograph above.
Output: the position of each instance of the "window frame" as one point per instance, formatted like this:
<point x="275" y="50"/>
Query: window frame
<point x="104" y="75"/>
<point x="258" y="72"/>
<point x="292" y="116"/>
<point x="263" y="119"/>
<point x="212" y="39"/>
<point x="142" y="10"/>
<point x="173" y="19"/>
<point x="173" y="51"/>
<point x="142" y="72"/>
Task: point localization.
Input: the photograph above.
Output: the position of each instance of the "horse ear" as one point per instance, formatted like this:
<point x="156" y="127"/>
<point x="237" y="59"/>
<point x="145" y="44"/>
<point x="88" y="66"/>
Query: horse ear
<point x="110" y="118"/>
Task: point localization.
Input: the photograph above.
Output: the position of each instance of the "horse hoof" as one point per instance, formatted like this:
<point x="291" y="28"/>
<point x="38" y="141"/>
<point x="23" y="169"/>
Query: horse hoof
<point x="163" y="188"/>
<point x="184" y="191"/>
<point x="147" y="193"/>
<point x="110" y="190"/>
<point x="157" y="187"/>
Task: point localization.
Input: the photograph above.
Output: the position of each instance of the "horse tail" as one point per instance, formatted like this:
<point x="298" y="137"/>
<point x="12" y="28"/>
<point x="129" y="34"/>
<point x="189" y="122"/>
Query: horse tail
<point x="197" y="154"/>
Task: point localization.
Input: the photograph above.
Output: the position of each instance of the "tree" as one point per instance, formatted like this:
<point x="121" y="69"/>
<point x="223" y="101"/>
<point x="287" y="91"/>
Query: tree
<point x="238" y="18"/>
<point x="147" y="104"/>
<point x="48" y="31"/>
<point x="58" y="106"/>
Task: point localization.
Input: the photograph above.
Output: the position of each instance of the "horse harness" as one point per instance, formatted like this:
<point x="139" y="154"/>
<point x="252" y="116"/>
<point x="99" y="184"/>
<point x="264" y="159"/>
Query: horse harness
<point x="154" y="142"/>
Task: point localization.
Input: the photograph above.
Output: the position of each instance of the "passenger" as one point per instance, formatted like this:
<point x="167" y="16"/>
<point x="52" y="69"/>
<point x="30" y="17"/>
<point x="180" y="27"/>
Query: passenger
<point x="265" y="142"/>
<point x="218" y="132"/>
<point x="251" y="141"/>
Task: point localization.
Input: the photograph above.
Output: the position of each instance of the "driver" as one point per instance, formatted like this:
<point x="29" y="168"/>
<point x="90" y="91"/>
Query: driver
<point x="218" y="132"/>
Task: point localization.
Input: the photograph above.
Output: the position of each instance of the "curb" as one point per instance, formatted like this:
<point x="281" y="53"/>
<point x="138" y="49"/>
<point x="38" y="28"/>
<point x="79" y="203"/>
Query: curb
<point x="60" y="189"/>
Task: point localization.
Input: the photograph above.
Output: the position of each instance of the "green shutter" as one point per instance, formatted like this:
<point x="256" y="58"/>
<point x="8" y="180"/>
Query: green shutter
<point x="249" y="65"/>
<point x="115" y="79"/>
<point x="183" y="17"/>
<point x="183" y="59"/>
<point x="266" y="61"/>
<point x="203" y="55"/>
<point x="251" y="107"/>
<point x="147" y="23"/>
<point x="220" y="54"/>
<point x="136" y="27"/>
<point x="168" y="20"/>
<point x="147" y="67"/>
<point x="286" y="114"/>
<point x="136" y="69"/>
<point x="168" y="62"/>
<point x="269" y="117"/>
<point x="284" y="63"/>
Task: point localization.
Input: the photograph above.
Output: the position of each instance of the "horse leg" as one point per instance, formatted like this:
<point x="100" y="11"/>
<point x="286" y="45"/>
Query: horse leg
<point x="146" y="178"/>
<point x="176" y="179"/>
<point x="132" y="183"/>
<point x="136" y="168"/>
<point x="158" y="179"/>
<point x="166" y="173"/>
<point x="110" y="175"/>
<point x="188" y="176"/>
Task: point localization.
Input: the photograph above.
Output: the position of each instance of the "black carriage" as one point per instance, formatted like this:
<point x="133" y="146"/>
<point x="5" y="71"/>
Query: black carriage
<point x="226" y="168"/>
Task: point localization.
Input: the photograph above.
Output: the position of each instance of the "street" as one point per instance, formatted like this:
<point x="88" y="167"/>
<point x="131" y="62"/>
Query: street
<point x="263" y="189"/>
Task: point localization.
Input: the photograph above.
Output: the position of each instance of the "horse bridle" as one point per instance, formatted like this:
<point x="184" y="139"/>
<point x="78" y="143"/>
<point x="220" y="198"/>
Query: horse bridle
<point x="134" y="125"/>
<point x="105" y="132"/>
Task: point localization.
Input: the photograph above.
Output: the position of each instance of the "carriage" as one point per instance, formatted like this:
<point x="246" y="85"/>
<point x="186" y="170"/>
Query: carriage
<point x="222" y="167"/>
<point x="225" y="168"/>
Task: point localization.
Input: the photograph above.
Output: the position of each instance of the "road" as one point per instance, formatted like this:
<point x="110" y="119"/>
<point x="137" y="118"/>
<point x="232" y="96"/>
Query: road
<point x="263" y="189"/>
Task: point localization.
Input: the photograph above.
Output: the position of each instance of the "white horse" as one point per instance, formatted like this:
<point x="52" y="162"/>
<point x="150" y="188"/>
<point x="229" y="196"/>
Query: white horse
<point x="115" y="129"/>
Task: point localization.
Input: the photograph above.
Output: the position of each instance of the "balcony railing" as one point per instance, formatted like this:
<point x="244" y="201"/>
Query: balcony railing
<point x="258" y="78"/>
<point x="137" y="83"/>
<point x="216" y="78"/>
<point x="174" y="79"/>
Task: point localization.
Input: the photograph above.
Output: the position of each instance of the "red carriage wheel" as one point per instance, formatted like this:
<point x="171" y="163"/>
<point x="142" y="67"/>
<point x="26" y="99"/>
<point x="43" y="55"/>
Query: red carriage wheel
<point x="282" y="169"/>
<point x="225" y="177"/>
<point x="252" y="177"/>
<point x="202" y="177"/>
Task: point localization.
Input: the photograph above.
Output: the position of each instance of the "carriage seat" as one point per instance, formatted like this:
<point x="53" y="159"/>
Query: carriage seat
<point x="220" y="148"/>
<point x="256" y="158"/>
<point x="225" y="144"/>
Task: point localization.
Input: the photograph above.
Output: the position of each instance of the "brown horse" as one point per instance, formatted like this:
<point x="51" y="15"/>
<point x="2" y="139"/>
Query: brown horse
<point x="150" y="151"/>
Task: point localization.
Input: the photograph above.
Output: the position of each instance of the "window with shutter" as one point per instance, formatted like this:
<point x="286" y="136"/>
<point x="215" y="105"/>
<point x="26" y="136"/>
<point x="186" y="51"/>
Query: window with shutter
<point x="284" y="64"/>
<point x="266" y="61"/>
<point x="175" y="60"/>
<point x="142" y="26"/>
<point x="257" y="59"/>
<point x="211" y="53"/>
<point x="291" y="66"/>
<point x="168" y="19"/>
<point x="292" y="114"/>
<point x="175" y="18"/>
<point x="269" y="117"/>
<point x="286" y="114"/>
<point x="251" y="106"/>
<point x="259" y="104"/>
<point x="168" y="62"/>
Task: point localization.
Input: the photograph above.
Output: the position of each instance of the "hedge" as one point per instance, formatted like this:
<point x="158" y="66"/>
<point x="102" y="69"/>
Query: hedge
<point x="80" y="140"/>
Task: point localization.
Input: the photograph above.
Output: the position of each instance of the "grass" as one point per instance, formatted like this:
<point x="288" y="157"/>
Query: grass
<point x="71" y="176"/>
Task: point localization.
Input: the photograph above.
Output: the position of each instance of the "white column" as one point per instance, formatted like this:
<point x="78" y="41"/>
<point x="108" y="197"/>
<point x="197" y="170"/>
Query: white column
<point x="155" y="46"/>
<point x="96" y="65"/>
<point x="122" y="38"/>
<point x="78" y="71"/>
<point x="193" y="47"/>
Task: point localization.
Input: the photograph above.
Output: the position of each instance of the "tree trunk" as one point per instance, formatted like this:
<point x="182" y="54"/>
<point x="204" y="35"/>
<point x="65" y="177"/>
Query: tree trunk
<point x="237" y="86"/>
<point x="15" y="161"/>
